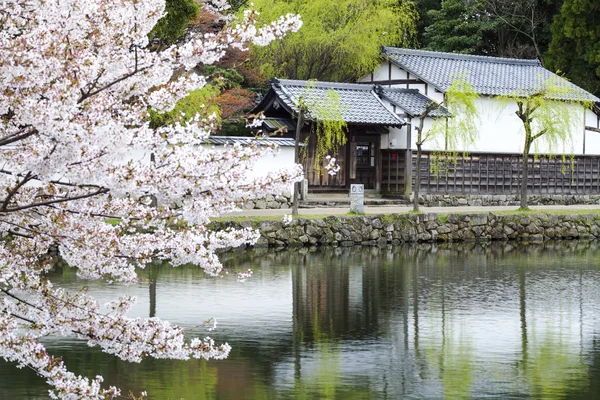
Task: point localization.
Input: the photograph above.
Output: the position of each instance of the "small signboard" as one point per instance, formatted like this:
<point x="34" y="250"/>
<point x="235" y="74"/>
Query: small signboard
<point x="357" y="199"/>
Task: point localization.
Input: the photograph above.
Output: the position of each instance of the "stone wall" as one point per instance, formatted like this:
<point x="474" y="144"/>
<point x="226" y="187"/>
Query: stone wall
<point x="403" y="228"/>
<point x="504" y="200"/>
<point x="270" y="202"/>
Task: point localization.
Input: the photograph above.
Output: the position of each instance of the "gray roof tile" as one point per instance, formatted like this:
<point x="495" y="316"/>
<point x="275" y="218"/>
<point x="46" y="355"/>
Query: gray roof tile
<point x="223" y="140"/>
<point x="359" y="103"/>
<point x="413" y="102"/>
<point x="489" y="75"/>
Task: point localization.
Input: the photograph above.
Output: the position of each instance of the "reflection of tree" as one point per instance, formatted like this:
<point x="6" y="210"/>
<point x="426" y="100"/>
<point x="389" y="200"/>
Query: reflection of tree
<point x="554" y="367"/>
<point x="153" y="277"/>
<point x="523" y="314"/>
<point x="449" y="351"/>
<point x="550" y="364"/>
<point x="405" y="297"/>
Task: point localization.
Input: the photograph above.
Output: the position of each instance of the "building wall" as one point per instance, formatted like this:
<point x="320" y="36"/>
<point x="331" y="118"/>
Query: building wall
<point x="501" y="131"/>
<point x="284" y="158"/>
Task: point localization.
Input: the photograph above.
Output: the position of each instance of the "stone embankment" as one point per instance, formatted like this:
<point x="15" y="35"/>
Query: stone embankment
<point x="404" y="228"/>
<point x="270" y="202"/>
<point x="429" y="200"/>
<point x="505" y="200"/>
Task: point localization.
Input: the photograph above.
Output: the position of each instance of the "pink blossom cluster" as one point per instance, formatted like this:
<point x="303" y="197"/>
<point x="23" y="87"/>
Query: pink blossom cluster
<point x="77" y="81"/>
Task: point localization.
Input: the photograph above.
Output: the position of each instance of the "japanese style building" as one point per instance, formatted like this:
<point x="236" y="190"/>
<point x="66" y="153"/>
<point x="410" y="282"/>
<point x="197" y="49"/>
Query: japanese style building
<point x="383" y="111"/>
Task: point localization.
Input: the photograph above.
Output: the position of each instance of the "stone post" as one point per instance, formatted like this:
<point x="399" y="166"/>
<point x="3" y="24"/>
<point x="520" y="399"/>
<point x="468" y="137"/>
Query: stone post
<point x="357" y="199"/>
<point x="304" y="190"/>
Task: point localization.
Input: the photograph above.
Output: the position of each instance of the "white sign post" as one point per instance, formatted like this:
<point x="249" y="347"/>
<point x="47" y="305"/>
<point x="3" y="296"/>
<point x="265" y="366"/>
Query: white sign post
<point x="357" y="199"/>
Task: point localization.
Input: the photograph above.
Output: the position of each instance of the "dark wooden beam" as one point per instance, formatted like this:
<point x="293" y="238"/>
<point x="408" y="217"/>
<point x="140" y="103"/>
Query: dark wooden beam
<point x="400" y="82"/>
<point x="591" y="128"/>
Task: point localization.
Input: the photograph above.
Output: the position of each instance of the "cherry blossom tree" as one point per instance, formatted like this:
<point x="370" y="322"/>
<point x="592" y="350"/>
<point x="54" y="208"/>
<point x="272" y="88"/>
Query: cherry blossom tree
<point x="76" y="83"/>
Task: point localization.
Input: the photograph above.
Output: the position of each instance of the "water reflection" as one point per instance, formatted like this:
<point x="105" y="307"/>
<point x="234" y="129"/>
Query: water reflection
<point x="418" y="322"/>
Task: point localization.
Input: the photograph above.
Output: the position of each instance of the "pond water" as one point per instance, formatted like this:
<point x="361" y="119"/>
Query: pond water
<point x="498" y="321"/>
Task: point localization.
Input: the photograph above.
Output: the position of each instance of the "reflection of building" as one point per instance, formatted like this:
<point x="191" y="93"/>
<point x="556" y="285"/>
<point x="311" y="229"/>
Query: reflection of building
<point x="350" y="298"/>
<point x="320" y="301"/>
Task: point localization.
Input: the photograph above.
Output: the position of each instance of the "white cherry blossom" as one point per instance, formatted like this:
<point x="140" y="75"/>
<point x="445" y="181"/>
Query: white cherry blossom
<point x="76" y="150"/>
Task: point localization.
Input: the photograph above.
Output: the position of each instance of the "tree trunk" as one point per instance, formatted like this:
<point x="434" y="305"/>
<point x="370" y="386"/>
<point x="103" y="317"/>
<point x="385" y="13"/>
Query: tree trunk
<point x="296" y="160"/>
<point x="525" y="166"/>
<point x="417" y="177"/>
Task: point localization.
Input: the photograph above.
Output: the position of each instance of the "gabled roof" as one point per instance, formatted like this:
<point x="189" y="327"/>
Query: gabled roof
<point x="359" y="104"/>
<point x="413" y="102"/>
<point x="488" y="75"/>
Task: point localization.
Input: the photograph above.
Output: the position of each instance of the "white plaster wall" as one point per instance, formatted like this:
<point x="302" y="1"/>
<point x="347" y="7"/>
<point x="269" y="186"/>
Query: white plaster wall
<point x="380" y="73"/>
<point x="385" y="140"/>
<point x="398" y="73"/>
<point x="270" y="163"/>
<point x="501" y="131"/>
<point x="592" y="139"/>
<point x="396" y="138"/>
<point x="436" y="142"/>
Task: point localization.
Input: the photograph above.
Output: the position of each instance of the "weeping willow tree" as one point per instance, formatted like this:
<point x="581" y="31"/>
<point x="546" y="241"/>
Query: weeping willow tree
<point x="340" y="40"/>
<point x="460" y="130"/>
<point x="328" y="128"/>
<point x="550" y="116"/>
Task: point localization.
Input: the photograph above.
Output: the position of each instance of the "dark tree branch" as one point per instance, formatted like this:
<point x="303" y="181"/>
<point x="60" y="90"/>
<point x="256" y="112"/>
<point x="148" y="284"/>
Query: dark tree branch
<point x="15" y="138"/>
<point x="56" y="201"/>
<point x="14" y="190"/>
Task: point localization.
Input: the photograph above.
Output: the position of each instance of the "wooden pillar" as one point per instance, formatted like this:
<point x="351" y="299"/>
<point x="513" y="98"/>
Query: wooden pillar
<point x="408" y="161"/>
<point x="352" y="159"/>
<point x="378" y="167"/>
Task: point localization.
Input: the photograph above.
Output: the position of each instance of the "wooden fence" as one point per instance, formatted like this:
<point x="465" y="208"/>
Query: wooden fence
<point x="393" y="167"/>
<point x="488" y="173"/>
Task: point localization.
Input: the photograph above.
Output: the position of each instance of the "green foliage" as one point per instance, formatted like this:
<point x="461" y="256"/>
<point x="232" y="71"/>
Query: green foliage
<point x="328" y="127"/>
<point x="575" y="45"/>
<point x="463" y="127"/>
<point x="236" y="128"/>
<point x="458" y="27"/>
<point x="460" y="131"/>
<point x="550" y="115"/>
<point x="423" y="8"/>
<point x="199" y="101"/>
<point x="226" y="78"/>
<point x="340" y="40"/>
<point x="172" y="26"/>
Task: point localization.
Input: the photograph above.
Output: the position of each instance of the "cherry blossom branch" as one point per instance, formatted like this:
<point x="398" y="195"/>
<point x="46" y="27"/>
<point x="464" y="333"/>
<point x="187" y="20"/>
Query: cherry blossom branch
<point x="17" y="137"/>
<point x="14" y="191"/>
<point x="56" y="201"/>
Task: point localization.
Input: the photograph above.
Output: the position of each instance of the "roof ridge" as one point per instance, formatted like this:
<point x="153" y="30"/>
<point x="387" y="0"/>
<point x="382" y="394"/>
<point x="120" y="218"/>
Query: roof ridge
<point x="400" y="90"/>
<point x="326" y="85"/>
<point x="457" y="56"/>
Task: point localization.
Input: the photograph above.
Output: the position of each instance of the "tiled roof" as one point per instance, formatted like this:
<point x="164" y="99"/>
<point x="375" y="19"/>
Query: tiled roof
<point x="223" y="140"/>
<point x="413" y="102"/>
<point x="488" y="75"/>
<point x="359" y="104"/>
<point x="274" y="124"/>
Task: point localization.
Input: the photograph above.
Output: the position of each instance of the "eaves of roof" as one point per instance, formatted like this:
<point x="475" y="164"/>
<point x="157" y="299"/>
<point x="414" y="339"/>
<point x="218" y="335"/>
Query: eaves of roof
<point x="359" y="104"/>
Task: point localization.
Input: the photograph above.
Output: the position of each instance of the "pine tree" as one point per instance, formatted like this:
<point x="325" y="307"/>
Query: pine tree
<point x="575" y="46"/>
<point x="459" y="26"/>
